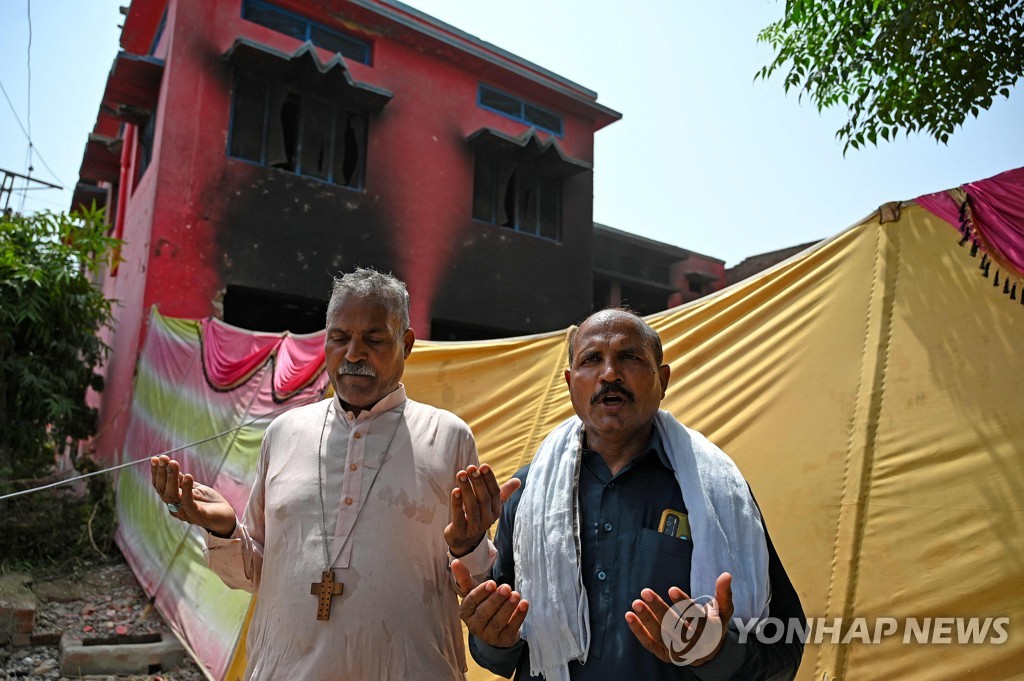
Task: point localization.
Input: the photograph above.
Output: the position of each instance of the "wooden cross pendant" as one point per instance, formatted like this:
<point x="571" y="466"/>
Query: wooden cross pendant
<point x="325" y="589"/>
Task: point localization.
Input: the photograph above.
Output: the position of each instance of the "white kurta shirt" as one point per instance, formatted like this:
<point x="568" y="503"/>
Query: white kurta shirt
<point x="397" y="617"/>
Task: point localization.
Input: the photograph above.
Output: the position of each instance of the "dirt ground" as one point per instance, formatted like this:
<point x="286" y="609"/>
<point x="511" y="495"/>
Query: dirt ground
<point x="96" y="599"/>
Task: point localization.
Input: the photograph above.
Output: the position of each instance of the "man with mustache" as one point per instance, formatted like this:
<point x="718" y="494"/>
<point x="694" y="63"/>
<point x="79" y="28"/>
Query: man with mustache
<point x="622" y="506"/>
<point x="346" y="535"/>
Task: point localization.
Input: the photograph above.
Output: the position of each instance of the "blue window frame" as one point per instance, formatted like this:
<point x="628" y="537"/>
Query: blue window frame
<point x="159" y="33"/>
<point x="515" y="108"/>
<point x="304" y="29"/>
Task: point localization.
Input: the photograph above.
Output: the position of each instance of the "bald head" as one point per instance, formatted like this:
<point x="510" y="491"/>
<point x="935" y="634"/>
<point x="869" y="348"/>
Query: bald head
<point x="616" y="382"/>
<point x="610" y="316"/>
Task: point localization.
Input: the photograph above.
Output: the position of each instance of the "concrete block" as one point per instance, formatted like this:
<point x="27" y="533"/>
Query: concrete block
<point x="123" y="657"/>
<point x="17" y="610"/>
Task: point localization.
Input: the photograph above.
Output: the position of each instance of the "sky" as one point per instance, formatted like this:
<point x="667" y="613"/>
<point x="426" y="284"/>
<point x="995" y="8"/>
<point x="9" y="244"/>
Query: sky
<point x="704" y="158"/>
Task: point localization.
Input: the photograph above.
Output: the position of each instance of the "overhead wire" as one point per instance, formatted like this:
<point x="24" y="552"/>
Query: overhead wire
<point x="28" y="116"/>
<point x="26" y="180"/>
<point x="33" y="151"/>
<point x="21" y="125"/>
<point x="15" y="112"/>
<point x="28" y="64"/>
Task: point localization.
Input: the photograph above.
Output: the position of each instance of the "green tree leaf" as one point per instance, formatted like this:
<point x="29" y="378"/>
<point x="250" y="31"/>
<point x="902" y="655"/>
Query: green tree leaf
<point x="898" y="65"/>
<point x="50" y="315"/>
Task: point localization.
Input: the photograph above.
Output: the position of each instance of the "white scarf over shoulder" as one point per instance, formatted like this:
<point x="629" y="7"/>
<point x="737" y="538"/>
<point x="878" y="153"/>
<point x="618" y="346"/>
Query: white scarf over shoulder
<point x="725" y="524"/>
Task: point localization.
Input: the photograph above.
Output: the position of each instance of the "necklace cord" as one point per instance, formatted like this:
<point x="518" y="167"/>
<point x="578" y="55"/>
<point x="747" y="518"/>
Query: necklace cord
<point x="362" y="503"/>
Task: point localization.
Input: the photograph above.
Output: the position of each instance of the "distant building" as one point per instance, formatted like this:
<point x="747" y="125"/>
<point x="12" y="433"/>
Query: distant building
<point x="762" y="261"/>
<point x="647" y="275"/>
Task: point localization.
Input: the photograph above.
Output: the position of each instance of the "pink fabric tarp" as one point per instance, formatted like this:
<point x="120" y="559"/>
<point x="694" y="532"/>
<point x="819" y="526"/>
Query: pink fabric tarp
<point x="232" y="355"/>
<point x="195" y="380"/>
<point x="997" y="212"/>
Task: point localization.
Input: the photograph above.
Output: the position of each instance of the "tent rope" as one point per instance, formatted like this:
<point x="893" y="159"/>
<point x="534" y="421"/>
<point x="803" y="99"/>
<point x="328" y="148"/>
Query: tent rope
<point x="168" y="452"/>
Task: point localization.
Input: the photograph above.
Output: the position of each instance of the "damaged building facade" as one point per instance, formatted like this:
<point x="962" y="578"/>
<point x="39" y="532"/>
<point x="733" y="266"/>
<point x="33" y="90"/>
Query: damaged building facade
<point x="248" y="150"/>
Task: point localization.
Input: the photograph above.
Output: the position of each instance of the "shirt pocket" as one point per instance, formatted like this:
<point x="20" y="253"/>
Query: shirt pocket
<point x="652" y="540"/>
<point x="661" y="561"/>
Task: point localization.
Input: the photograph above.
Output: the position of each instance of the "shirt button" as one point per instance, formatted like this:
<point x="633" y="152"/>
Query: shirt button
<point x="349" y="416"/>
<point x="348" y="501"/>
<point x="601" y="575"/>
<point x="607" y="527"/>
<point x="357" y="435"/>
<point x="611" y="485"/>
<point x="352" y="467"/>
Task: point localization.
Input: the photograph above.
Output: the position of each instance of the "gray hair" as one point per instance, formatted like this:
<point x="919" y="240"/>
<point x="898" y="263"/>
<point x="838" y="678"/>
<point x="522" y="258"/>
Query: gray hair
<point x="365" y="282"/>
<point x="650" y="336"/>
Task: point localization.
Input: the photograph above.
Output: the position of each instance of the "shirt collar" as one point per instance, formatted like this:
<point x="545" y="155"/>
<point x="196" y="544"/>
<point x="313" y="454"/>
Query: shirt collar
<point x="654" y="444"/>
<point x="393" y="399"/>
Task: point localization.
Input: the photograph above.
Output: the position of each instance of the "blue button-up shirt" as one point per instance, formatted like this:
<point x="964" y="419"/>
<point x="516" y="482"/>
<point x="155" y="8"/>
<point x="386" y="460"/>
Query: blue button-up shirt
<point x="622" y="552"/>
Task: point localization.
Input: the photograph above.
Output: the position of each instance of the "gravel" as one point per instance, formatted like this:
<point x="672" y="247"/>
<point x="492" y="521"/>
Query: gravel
<point x="95" y="600"/>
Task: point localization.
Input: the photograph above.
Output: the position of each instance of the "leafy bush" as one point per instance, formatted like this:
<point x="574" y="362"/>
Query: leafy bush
<point x="50" y="317"/>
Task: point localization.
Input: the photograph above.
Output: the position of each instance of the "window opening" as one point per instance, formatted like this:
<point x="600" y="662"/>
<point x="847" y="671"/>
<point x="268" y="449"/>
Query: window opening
<point x="275" y="126"/>
<point x="263" y="310"/>
<point x="145" y="140"/>
<point x="513" y="195"/>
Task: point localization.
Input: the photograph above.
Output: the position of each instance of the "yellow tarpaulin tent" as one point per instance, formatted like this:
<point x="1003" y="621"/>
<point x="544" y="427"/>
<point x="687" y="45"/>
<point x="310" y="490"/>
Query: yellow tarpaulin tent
<point x="870" y="390"/>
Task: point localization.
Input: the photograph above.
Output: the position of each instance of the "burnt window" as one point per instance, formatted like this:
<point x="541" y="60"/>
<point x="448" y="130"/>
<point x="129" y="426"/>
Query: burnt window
<point x="511" y="194"/>
<point x="304" y="29"/>
<point x="145" y="146"/>
<point x="274" y="125"/>
<point x="524" y="112"/>
<point x="263" y="310"/>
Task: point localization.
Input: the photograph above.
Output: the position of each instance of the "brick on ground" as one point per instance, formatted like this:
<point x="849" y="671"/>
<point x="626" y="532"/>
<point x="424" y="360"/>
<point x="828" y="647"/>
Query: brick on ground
<point x="17" y="609"/>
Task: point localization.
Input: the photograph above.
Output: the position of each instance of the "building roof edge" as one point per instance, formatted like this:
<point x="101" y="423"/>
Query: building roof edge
<point x="419" y="21"/>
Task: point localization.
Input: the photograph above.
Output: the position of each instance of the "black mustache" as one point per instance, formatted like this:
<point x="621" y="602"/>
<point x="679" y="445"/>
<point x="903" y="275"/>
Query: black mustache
<point x="608" y="389"/>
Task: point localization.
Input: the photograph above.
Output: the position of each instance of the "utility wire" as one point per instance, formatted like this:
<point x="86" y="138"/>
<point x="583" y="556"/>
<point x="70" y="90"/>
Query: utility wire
<point x="167" y="452"/>
<point x="60" y="206"/>
<point x="25" y="132"/>
<point x="46" y="165"/>
<point x="15" y="112"/>
<point x="28" y="178"/>
<point x="29" y="67"/>
<point x="28" y="116"/>
<point x="35" y="150"/>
